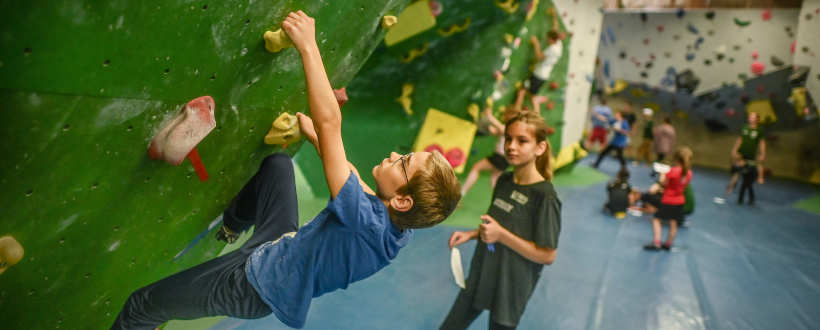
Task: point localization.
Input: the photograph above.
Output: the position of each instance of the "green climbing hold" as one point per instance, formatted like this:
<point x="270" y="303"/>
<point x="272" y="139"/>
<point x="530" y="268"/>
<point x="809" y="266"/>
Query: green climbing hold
<point x="740" y="23"/>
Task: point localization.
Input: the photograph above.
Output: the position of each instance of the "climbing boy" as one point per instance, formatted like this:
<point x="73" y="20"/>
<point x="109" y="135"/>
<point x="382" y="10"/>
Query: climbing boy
<point x="547" y="59"/>
<point x="279" y="269"/>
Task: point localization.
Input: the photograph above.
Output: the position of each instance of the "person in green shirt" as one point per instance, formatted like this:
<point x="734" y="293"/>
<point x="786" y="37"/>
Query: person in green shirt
<point x="750" y="141"/>
<point x="645" y="150"/>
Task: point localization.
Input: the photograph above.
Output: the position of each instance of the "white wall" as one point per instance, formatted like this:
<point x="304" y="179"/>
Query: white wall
<point x="809" y="36"/>
<point x="768" y="38"/>
<point x="583" y="19"/>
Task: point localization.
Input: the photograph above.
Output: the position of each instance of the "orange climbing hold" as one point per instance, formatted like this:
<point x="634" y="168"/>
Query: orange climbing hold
<point x="341" y="96"/>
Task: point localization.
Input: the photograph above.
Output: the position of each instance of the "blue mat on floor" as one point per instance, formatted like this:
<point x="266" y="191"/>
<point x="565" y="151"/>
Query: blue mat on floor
<point x="749" y="267"/>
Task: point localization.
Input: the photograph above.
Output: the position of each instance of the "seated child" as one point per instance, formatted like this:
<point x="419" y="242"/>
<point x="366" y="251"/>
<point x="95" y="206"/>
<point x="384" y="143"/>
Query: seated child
<point x="280" y="269"/>
<point x="619" y="192"/>
<point x="738" y="164"/>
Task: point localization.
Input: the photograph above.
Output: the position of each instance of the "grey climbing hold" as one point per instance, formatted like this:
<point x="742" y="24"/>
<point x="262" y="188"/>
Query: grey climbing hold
<point x="776" y="61"/>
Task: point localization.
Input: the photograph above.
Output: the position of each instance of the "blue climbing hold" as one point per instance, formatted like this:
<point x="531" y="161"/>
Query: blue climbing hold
<point x="611" y="34"/>
<point x="606" y="68"/>
<point x="603" y="40"/>
<point x="698" y="42"/>
<point x="668" y="81"/>
<point x="671" y="71"/>
<point x="680" y="13"/>
<point x="692" y="28"/>
<point x="690" y="56"/>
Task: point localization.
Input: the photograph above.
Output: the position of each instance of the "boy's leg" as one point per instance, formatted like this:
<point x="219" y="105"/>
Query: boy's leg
<point x="267" y="201"/>
<point x="602" y="154"/>
<point x="216" y="287"/>
<point x="620" y="153"/>
<point x="744" y="184"/>
<point x="462" y="314"/>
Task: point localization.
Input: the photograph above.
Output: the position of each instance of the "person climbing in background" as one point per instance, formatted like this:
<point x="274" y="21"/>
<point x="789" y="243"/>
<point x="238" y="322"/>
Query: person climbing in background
<point x="546" y="60"/>
<point x="664" y="140"/>
<point x="279" y="269"/>
<point x="600" y="116"/>
<point x="645" y="150"/>
<point x="619" y="140"/>
<point x="671" y="208"/>
<point x="752" y="139"/>
<point x="495" y="163"/>
<point x="523" y="223"/>
<point x="630" y="118"/>
<point x="618" y="192"/>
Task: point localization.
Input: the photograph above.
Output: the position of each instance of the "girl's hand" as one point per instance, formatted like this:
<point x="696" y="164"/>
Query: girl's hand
<point x="534" y="40"/>
<point x="460" y="237"/>
<point x="306" y="126"/>
<point x="490" y="231"/>
<point x="301" y="30"/>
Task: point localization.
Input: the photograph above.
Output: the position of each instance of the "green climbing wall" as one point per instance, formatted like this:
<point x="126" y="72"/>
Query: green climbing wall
<point x="456" y="70"/>
<point x="85" y="86"/>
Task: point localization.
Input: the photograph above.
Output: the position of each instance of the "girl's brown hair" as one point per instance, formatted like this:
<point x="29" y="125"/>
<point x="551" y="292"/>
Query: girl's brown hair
<point x="683" y="155"/>
<point x="539" y="129"/>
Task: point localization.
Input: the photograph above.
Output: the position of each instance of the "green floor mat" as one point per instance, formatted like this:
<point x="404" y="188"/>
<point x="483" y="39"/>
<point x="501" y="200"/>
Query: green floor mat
<point x="811" y="204"/>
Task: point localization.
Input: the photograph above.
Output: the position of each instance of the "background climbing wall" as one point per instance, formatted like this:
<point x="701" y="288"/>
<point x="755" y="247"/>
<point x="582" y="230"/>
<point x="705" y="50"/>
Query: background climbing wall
<point x="807" y="49"/>
<point x="651" y="47"/>
<point x="455" y="71"/>
<point x="85" y="94"/>
<point x="583" y="19"/>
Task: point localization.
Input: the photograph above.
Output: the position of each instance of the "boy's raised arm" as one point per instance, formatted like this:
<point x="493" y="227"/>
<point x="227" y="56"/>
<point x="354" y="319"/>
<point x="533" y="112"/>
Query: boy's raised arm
<point x="327" y="119"/>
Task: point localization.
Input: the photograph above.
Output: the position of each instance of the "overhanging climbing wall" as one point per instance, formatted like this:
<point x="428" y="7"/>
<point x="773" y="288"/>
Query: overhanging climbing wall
<point x="450" y="66"/>
<point x="84" y="88"/>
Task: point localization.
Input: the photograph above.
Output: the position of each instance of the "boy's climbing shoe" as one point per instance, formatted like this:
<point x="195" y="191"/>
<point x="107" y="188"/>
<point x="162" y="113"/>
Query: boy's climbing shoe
<point x="652" y="247"/>
<point x="666" y="247"/>
<point x="226" y="235"/>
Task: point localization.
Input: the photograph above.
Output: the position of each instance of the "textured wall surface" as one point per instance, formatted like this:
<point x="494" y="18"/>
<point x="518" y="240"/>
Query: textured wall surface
<point x="86" y="85"/>
<point x="807" y="49"/>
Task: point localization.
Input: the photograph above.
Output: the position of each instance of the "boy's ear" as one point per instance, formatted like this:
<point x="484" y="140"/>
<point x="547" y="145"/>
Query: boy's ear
<point x="401" y="203"/>
<point x="541" y="149"/>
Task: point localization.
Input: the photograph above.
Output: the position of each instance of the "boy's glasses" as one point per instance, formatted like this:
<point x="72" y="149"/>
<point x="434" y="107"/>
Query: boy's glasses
<point x="405" y="168"/>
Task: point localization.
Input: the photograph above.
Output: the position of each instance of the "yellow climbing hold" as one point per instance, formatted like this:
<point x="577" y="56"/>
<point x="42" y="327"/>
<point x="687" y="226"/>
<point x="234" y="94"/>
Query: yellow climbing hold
<point x="681" y="114"/>
<point x="284" y="130"/>
<point x="276" y="41"/>
<point x="618" y="87"/>
<point x="450" y="133"/>
<point x="763" y="109"/>
<point x="508" y="38"/>
<point x="473" y="110"/>
<point x="518" y="85"/>
<point x="532" y="9"/>
<point x="405" y="100"/>
<point x="489" y="101"/>
<point x="11" y="252"/>
<point x="415" y="52"/>
<point x="510" y="6"/>
<point x="416" y="18"/>
<point x="799" y="99"/>
<point x="455" y="28"/>
<point x="388" y="21"/>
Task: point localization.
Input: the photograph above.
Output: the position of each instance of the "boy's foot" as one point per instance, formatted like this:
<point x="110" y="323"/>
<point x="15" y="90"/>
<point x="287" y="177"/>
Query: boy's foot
<point x="751" y="202"/>
<point x="652" y="247"/>
<point x="666" y="247"/>
<point x="226" y="235"/>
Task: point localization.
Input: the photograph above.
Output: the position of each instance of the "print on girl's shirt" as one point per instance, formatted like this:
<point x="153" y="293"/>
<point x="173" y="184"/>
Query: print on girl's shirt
<point x="507" y="207"/>
<point x="519" y="197"/>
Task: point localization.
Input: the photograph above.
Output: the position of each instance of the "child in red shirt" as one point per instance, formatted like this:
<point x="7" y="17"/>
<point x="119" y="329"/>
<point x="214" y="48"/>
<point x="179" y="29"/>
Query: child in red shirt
<point x="671" y="207"/>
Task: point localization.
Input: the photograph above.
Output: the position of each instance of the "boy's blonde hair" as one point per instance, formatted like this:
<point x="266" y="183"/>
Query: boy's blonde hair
<point x="435" y="192"/>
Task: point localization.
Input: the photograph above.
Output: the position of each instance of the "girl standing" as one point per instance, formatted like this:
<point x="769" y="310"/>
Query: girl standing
<point x="522" y="225"/>
<point x="671" y="206"/>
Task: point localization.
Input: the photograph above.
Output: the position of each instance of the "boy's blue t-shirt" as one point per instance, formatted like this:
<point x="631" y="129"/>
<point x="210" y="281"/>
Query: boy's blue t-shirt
<point x="619" y="140"/>
<point x="350" y="240"/>
<point x="602" y="110"/>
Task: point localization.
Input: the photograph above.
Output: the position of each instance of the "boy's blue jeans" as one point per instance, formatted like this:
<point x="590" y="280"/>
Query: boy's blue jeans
<point x="219" y="286"/>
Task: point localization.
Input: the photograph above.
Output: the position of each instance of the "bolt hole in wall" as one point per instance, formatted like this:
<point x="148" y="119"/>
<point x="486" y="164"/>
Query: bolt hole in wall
<point x="247" y="22"/>
<point x="166" y="71"/>
<point x="213" y="77"/>
<point x="204" y="7"/>
<point x="94" y="186"/>
<point x="252" y="127"/>
<point x="28" y="193"/>
<point x="66" y="127"/>
<point x="129" y="128"/>
<point x="27" y="51"/>
<point x="107" y="62"/>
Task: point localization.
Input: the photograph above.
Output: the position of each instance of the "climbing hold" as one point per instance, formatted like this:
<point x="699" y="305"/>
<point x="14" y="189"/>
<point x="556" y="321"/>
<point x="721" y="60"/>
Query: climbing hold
<point x="680" y="13"/>
<point x="284" y="130"/>
<point x="719" y="57"/>
<point x="455" y="157"/>
<point x="773" y="95"/>
<point x="668" y="81"/>
<point x="730" y="112"/>
<point x="686" y="81"/>
<point x="676" y="36"/>
<point x="622" y="54"/>
<point x="808" y="16"/>
<point x="532" y="7"/>
<point x="758" y="68"/>
<point x="737" y="47"/>
<point x="731" y="60"/>
<point x="388" y="21"/>
<point x="415" y="52"/>
<point x="766" y="15"/>
<point x="776" y="61"/>
<point x="436" y="8"/>
<point x="341" y="96"/>
<point x="606" y="68"/>
<point x="667" y="54"/>
<point x="516" y="42"/>
<point x="690" y="56"/>
<point x="691" y="27"/>
<point x="416" y="18"/>
<point x="508" y="38"/>
<point x="651" y="56"/>
<point x="740" y="23"/>
<point x="179" y="138"/>
<point x="698" y="43"/>
<point x="455" y="28"/>
<point x="473" y="111"/>
<point x="550" y="131"/>
<point x="670" y="71"/>
<point x="644" y="74"/>
<point x="405" y="99"/>
<point x="660" y="28"/>
<point x="611" y="34"/>
<point x="681" y="114"/>
<point x="710" y="15"/>
<point x="648" y="65"/>
<point x="742" y="76"/>
<point x="645" y="41"/>
<point x="11" y="252"/>
<point x="744" y="98"/>
<point x="707" y="62"/>
<point x="434" y="147"/>
<point x="720" y="104"/>
<point x="644" y="17"/>
<point x="754" y="55"/>
<point x="710" y="32"/>
<point x="276" y="41"/>
<point x="805" y="49"/>
<point x="794" y="44"/>
<point x="553" y="85"/>
<point x="550" y="105"/>
<point x="509" y="6"/>
<point x="449" y="132"/>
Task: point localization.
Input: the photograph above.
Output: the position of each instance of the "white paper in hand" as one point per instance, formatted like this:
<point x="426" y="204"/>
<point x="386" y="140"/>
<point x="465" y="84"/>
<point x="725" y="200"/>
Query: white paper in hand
<point x="455" y="264"/>
<point x="661" y="168"/>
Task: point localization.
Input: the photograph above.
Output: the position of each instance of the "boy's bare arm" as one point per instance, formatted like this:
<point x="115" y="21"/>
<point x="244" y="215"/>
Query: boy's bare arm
<point x="323" y="106"/>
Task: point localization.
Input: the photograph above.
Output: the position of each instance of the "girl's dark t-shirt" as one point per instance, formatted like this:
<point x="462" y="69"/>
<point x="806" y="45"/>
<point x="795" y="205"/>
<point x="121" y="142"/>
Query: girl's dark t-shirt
<point x="503" y="281"/>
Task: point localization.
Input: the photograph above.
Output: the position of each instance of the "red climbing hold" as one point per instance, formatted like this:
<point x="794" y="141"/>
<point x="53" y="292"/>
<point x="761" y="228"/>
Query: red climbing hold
<point x="550" y="131"/>
<point x="179" y="138"/>
<point x="550" y="105"/>
<point x="730" y="112"/>
<point x="760" y="89"/>
<point x="434" y="147"/>
<point x="341" y="96"/>
<point x="794" y="45"/>
<point x="455" y="157"/>
<point x="553" y="85"/>
<point x="758" y="68"/>
<point x="766" y="15"/>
